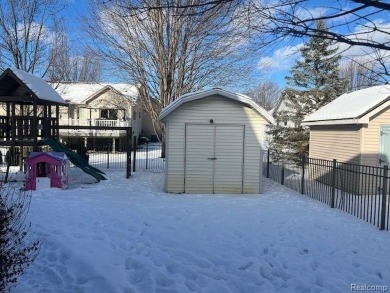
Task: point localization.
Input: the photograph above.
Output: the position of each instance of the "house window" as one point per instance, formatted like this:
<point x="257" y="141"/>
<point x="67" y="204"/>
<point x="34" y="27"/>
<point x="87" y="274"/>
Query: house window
<point x="285" y="123"/>
<point x="134" y="115"/>
<point x="111" y="114"/>
<point x="104" y="114"/>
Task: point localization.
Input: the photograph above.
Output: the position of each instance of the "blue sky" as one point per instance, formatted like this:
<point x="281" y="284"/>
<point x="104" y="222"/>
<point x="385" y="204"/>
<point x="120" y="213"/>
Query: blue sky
<point x="279" y="62"/>
<point x="274" y="65"/>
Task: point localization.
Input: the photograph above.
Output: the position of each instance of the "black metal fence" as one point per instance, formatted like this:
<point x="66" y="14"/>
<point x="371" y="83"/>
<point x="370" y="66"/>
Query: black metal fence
<point x="143" y="157"/>
<point x="362" y="191"/>
<point x="148" y="157"/>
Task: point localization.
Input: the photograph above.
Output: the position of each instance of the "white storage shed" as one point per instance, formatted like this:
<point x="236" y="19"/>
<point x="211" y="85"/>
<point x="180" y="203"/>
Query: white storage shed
<point x="214" y="141"/>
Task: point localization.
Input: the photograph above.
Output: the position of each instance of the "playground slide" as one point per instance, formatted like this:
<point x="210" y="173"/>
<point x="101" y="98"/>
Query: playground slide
<point x="74" y="157"/>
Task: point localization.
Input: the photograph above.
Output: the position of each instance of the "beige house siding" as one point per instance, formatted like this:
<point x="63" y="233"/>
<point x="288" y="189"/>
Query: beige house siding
<point x="340" y="142"/>
<point x="371" y="137"/>
<point x="222" y="111"/>
<point x="107" y="99"/>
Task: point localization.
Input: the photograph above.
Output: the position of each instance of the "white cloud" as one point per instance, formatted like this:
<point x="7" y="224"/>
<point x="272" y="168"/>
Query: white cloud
<point x="366" y="33"/>
<point x="311" y="13"/>
<point x="35" y="30"/>
<point x="281" y="59"/>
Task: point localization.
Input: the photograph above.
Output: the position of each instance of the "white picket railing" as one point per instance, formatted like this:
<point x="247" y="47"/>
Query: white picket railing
<point x="95" y="122"/>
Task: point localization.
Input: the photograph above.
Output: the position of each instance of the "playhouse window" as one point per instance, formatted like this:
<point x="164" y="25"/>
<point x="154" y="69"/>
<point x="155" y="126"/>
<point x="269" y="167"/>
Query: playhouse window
<point x="43" y="169"/>
<point x="29" y="170"/>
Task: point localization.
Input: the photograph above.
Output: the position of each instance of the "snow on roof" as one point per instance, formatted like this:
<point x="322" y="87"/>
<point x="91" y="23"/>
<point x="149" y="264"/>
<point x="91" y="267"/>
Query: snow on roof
<point x="80" y="92"/>
<point x="352" y="105"/>
<point x="39" y="86"/>
<point x="215" y="91"/>
<point x="56" y="155"/>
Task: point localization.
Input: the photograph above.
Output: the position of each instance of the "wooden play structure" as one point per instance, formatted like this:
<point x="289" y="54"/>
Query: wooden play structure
<point x="30" y="112"/>
<point x="46" y="170"/>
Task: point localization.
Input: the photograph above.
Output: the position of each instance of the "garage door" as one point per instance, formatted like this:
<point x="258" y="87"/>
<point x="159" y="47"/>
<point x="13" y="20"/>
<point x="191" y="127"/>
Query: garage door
<point x="214" y="158"/>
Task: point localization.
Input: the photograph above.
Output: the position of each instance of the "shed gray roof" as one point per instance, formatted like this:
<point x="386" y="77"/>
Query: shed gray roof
<point x="215" y="91"/>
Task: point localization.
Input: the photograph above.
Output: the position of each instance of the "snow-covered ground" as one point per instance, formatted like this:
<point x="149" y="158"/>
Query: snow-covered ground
<point x="127" y="235"/>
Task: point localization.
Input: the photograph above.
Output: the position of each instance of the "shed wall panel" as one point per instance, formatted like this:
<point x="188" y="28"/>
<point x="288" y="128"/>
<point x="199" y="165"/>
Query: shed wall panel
<point x="221" y="111"/>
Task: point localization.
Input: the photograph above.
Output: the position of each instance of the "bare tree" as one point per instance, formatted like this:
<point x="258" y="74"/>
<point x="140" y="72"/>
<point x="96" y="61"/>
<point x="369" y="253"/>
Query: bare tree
<point x="266" y="94"/>
<point x="358" y="73"/>
<point x="26" y="30"/>
<point x="72" y="65"/>
<point x="170" y="51"/>
<point x="352" y="24"/>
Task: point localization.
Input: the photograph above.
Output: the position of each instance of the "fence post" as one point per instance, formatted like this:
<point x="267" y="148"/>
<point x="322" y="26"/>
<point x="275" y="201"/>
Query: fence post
<point x="303" y="175"/>
<point x="147" y="155"/>
<point x="268" y="163"/>
<point x="108" y="157"/>
<point x="128" y="153"/>
<point x="282" y="179"/>
<point x="134" y="152"/>
<point x="333" y="184"/>
<point x="384" y="197"/>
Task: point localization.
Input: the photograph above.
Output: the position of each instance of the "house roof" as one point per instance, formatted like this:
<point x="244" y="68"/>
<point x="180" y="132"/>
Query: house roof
<point x="215" y="91"/>
<point x="283" y="100"/>
<point x="80" y="93"/>
<point x="352" y="108"/>
<point x="55" y="155"/>
<point x="27" y="87"/>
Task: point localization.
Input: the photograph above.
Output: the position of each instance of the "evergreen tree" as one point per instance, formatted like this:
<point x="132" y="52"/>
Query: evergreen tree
<point x="314" y="82"/>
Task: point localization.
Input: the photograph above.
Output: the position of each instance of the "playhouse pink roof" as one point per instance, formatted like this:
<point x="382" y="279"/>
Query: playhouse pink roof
<point x="58" y="156"/>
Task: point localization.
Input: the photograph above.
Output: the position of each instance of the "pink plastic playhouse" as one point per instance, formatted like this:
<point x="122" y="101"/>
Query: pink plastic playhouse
<point x="46" y="170"/>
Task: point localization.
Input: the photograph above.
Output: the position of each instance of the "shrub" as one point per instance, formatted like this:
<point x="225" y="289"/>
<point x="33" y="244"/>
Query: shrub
<point x="17" y="249"/>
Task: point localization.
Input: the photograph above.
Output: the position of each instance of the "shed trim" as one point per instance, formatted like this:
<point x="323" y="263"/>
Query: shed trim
<point x="215" y="91"/>
<point x="333" y="122"/>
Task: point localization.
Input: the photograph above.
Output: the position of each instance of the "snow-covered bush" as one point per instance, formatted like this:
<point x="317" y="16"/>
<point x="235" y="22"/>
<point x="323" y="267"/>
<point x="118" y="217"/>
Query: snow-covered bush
<point x="17" y="249"/>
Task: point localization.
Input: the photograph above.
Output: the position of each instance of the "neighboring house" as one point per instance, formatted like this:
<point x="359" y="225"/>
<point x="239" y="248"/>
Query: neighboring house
<point x="354" y="128"/>
<point x="214" y="140"/>
<point x="284" y="106"/>
<point x="101" y="104"/>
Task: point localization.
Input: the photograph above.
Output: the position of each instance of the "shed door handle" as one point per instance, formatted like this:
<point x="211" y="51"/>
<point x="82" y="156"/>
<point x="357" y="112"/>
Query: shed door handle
<point x="211" y="158"/>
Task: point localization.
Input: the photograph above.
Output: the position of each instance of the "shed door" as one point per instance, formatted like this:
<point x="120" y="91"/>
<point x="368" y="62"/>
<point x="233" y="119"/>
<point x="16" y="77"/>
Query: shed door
<point x="214" y="158"/>
<point x="199" y="165"/>
<point x="384" y="158"/>
<point x="229" y="153"/>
